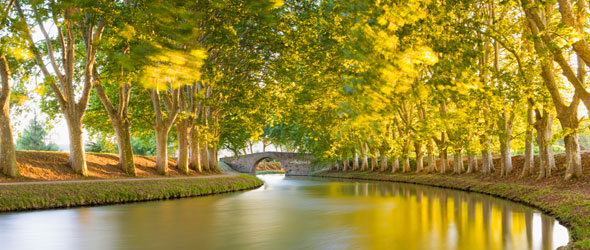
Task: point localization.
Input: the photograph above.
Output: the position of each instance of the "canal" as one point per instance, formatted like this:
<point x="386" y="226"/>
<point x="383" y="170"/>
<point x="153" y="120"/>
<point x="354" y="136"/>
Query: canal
<point x="294" y="213"/>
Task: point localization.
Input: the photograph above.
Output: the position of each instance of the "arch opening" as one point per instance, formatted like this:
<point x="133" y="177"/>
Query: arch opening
<point x="268" y="165"/>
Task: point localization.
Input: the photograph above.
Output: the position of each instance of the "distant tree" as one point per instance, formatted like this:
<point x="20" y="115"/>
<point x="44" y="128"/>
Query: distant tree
<point x="100" y="144"/>
<point x="144" y="144"/>
<point x="34" y="138"/>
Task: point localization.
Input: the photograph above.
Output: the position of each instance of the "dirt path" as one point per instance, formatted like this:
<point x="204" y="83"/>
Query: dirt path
<point x="117" y="180"/>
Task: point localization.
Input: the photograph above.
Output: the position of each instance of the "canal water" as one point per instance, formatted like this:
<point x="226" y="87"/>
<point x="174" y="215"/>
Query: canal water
<point x="294" y="213"/>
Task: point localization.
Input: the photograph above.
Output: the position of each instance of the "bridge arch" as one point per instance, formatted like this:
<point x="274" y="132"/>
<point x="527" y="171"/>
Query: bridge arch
<point x="293" y="163"/>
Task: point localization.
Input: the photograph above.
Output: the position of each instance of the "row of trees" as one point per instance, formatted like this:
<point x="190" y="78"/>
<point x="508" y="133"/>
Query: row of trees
<point x="379" y="81"/>
<point x="152" y="67"/>
<point x="386" y="81"/>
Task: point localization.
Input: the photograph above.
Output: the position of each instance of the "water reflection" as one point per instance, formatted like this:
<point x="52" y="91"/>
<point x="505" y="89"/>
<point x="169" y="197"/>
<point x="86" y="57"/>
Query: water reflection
<point x="432" y="218"/>
<point x="294" y="213"/>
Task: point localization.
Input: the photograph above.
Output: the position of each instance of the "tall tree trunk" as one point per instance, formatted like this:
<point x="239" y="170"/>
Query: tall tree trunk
<point x="572" y="155"/>
<point x="471" y="163"/>
<point x="77" y="154"/>
<point x="355" y="160"/>
<point x="443" y="160"/>
<point x="457" y="162"/>
<point x="8" y="164"/>
<point x="544" y="135"/>
<point x="182" y="162"/>
<point x="162" y="127"/>
<point x="406" y="156"/>
<point x="205" y="156"/>
<point x="161" y="150"/>
<point x="485" y="162"/>
<point x="419" y="156"/>
<point x="491" y="161"/>
<point x="567" y="115"/>
<point x="66" y="86"/>
<point x="374" y="160"/>
<point x="123" y="134"/>
<point x="529" y="157"/>
<point x="364" y="156"/>
<point x="195" y="160"/>
<point x="344" y="162"/>
<point x="384" y="163"/>
<point x="120" y="122"/>
<point x="395" y="165"/>
<point x="431" y="157"/>
<point x="213" y="158"/>
<point x="505" y="139"/>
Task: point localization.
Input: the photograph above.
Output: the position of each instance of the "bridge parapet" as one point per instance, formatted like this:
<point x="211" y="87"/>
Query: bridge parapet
<point x="293" y="163"/>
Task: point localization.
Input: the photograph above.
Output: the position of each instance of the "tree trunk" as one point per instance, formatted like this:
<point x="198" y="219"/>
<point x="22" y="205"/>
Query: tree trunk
<point x="419" y="157"/>
<point x="7" y="153"/>
<point x="572" y="155"/>
<point x="457" y="162"/>
<point x="570" y="123"/>
<point x="77" y="154"/>
<point x="374" y="159"/>
<point x="120" y="122"/>
<point x="405" y="156"/>
<point x="183" y="144"/>
<point x="384" y="163"/>
<point x="529" y="157"/>
<point x="123" y="133"/>
<point x="490" y="160"/>
<point x="485" y="162"/>
<point x="395" y="166"/>
<point x="355" y="160"/>
<point x="406" y="167"/>
<point x="544" y="134"/>
<point x="471" y="163"/>
<point x="8" y="164"/>
<point x="506" y="167"/>
<point x="212" y="154"/>
<point x="431" y="157"/>
<point x="161" y="150"/>
<point x="205" y="156"/>
<point x="69" y="83"/>
<point x="443" y="160"/>
<point x="345" y="163"/>
<point x="505" y="139"/>
<point x="365" y="159"/>
<point x="195" y="160"/>
<point x="162" y="127"/>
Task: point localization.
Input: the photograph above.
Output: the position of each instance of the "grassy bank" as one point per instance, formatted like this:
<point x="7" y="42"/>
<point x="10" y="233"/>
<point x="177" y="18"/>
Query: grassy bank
<point x="571" y="208"/>
<point x="53" y="166"/>
<point x="20" y="197"/>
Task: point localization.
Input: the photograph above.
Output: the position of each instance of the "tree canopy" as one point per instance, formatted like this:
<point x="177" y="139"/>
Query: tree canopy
<point x="366" y="83"/>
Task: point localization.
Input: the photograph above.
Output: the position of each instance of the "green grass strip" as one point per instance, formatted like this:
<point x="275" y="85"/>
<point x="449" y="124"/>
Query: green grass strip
<point x="74" y="194"/>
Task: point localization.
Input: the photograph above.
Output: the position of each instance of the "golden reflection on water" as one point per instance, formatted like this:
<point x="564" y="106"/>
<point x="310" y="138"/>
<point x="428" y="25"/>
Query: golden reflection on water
<point x="295" y="213"/>
<point x="419" y="217"/>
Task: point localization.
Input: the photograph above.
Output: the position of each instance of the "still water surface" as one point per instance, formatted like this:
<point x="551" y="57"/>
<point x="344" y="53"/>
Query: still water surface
<point x="294" y="213"/>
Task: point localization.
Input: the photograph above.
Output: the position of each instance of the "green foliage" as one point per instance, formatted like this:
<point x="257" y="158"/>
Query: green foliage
<point x="144" y="145"/>
<point x="101" y="144"/>
<point x="34" y="137"/>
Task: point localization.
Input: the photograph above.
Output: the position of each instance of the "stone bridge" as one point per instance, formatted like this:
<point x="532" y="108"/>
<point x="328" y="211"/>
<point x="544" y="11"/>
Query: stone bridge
<point x="293" y="163"/>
